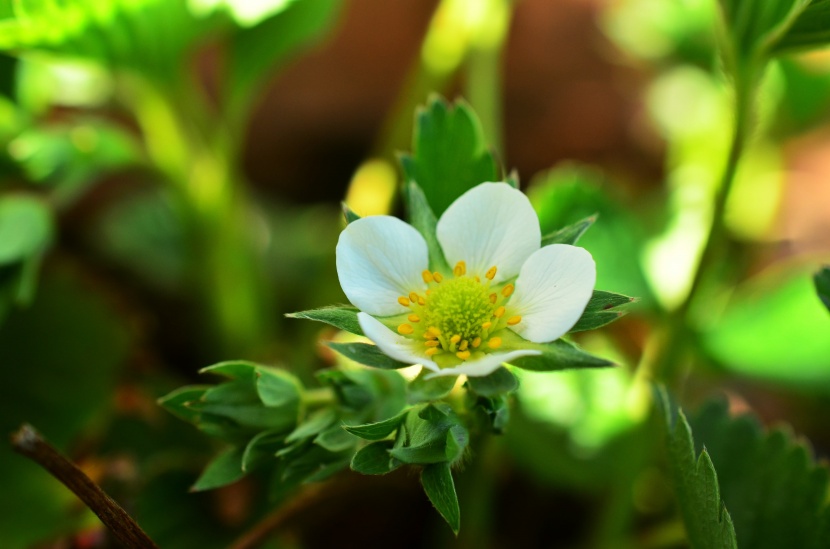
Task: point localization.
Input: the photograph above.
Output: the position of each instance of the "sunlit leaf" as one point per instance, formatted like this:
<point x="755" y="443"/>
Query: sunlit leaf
<point x="558" y="355"/>
<point x="341" y="317"/>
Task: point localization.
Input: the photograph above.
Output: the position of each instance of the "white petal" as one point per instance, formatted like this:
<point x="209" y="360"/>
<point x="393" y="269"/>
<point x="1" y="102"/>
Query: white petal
<point x="392" y="344"/>
<point x="379" y="259"/>
<point x="485" y="365"/>
<point x="491" y="224"/>
<point x="553" y="288"/>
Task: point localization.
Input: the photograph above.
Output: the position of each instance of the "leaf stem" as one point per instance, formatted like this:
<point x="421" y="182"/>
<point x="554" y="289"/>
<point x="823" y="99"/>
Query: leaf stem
<point x="29" y="443"/>
<point x="321" y="396"/>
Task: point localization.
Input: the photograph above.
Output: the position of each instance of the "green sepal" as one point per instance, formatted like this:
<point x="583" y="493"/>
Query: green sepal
<point x="421" y="217"/>
<point x="374" y="459"/>
<point x="177" y="402"/>
<point x="556" y="355"/>
<point x="602" y="309"/>
<point x="707" y="521"/>
<point x="368" y="355"/>
<point x="822" y="282"/>
<point x="348" y="214"/>
<point x="440" y="489"/>
<point x="432" y="435"/>
<point x="261" y="449"/>
<point x="570" y="234"/>
<point x="449" y="155"/>
<point x="342" y="317"/>
<point x="421" y="389"/>
<point x="224" y="469"/>
<point x="499" y="382"/>
<point x="379" y="430"/>
<point x="313" y="425"/>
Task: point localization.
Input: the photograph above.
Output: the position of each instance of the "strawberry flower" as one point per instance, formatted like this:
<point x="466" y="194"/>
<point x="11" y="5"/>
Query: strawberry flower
<point x="502" y="294"/>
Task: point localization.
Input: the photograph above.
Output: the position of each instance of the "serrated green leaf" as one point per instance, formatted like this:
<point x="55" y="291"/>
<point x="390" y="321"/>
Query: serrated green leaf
<point x="26" y="227"/>
<point x="277" y="388"/>
<point x="421" y="217"/>
<point x="449" y="154"/>
<point x="368" y="355"/>
<point x="569" y="234"/>
<point x="602" y="309"/>
<point x="374" y="459"/>
<point x="822" y="282"/>
<point x="379" y="430"/>
<point x="433" y="435"/>
<point x="239" y="402"/>
<point x="775" y="492"/>
<point x="557" y="355"/>
<point x="708" y="523"/>
<point x="314" y="424"/>
<point x="341" y="317"/>
<point x="440" y="489"/>
<point x="224" y="469"/>
<point x="421" y="389"/>
<point x="499" y="382"/>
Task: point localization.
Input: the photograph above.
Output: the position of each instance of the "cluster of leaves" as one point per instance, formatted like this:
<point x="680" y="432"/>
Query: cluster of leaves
<point x="760" y="489"/>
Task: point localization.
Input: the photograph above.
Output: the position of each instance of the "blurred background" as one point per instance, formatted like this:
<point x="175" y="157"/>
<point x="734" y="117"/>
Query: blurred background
<point x="170" y="181"/>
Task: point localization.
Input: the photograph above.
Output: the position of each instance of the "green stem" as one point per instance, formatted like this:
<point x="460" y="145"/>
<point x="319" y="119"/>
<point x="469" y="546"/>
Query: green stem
<point x="317" y="398"/>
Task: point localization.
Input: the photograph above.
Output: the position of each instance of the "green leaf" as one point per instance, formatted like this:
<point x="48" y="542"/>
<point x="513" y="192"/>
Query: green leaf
<point x="239" y="402"/>
<point x="277" y="387"/>
<point x="440" y="489"/>
<point x="261" y="449"/>
<point x="421" y="217"/>
<point x="348" y="214"/>
<point x="449" y="155"/>
<point x="233" y="369"/>
<point x="499" y="382"/>
<point x="421" y="389"/>
<point x="708" y="524"/>
<point x="177" y="402"/>
<point x="775" y="491"/>
<point x="822" y="283"/>
<point x="335" y="439"/>
<point x="258" y="50"/>
<point x="374" y="459"/>
<point x="313" y="425"/>
<point x="224" y="469"/>
<point x="26" y="227"/>
<point x="493" y="412"/>
<point x="433" y="435"/>
<point x="811" y="29"/>
<point x="558" y="355"/>
<point x="341" y="317"/>
<point x="379" y="430"/>
<point x="367" y="354"/>
<point x="570" y="234"/>
<point x="601" y="310"/>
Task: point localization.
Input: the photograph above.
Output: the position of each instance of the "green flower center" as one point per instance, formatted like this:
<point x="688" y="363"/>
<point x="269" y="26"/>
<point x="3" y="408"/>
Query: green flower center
<point x="456" y="318"/>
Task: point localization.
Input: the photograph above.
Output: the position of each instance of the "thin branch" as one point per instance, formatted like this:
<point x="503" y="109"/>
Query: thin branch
<point x="28" y="442"/>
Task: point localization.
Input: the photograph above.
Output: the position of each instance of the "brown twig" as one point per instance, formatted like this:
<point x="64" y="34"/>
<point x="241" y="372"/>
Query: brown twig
<point x="265" y="528"/>
<point x="28" y="442"/>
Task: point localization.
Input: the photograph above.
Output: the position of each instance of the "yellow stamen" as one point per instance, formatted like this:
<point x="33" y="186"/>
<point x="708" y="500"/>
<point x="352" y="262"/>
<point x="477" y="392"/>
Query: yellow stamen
<point x="498" y="313"/>
<point x="494" y="343"/>
<point x="432" y="343"/>
<point x="463" y="346"/>
<point x="404" y="301"/>
<point x="487" y="325"/>
<point x="463" y="355"/>
<point x="405" y="329"/>
<point x="507" y="291"/>
<point x="493" y="298"/>
<point x="491" y="273"/>
<point x="432" y="351"/>
<point x="476" y="342"/>
<point x="421" y="301"/>
<point x="427" y="276"/>
<point x="455" y="339"/>
<point x="478" y="279"/>
<point x="413" y="318"/>
<point x="438" y="277"/>
<point x="428" y="335"/>
<point x="413" y="297"/>
<point x="460" y="268"/>
<point x="513" y="320"/>
<point x="434" y="331"/>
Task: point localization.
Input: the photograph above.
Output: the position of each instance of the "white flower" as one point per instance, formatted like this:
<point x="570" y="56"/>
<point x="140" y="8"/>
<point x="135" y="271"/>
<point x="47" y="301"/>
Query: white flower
<point x="502" y="284"/>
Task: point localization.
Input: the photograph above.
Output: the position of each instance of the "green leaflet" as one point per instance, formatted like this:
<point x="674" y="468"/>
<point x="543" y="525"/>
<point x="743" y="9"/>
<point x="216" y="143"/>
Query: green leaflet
<point x="569" y="234"/>
<point x="374" y="459"/>
<point x="449" y="154"/>
<point x="499" y="382"/>
<point x="341" y="317"/>
<point x="557" y="355"/>
<point x="367" y="354"/>
<point x="379" y="430"/>
<point x="822" y="282"/>
<point x="708" y="524"/>
<point x="440" y="489"/>
<point x="421" y="389"/>
<point x="222" y="470"/>
<point x="602" y="309"/>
